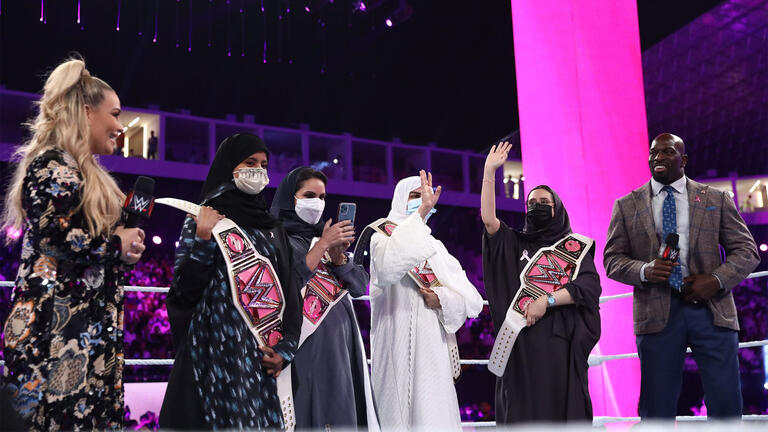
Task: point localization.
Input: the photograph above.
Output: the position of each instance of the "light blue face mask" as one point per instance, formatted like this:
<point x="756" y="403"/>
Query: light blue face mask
<point x="414" y="205"/>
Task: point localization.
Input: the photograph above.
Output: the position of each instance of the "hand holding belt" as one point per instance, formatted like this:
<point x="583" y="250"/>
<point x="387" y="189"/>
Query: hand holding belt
<point x="424" y="277"/>
<point x="549" y="270"/>
<point x="422" y="274"/>
<point x="256" y="293"/>
<point x="322" y="292"/>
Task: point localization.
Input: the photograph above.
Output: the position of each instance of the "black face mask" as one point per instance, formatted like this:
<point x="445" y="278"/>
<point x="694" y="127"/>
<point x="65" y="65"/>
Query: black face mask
<point x="539" y="215"/>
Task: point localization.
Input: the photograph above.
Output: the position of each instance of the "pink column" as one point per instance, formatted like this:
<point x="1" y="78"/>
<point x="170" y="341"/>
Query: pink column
<point x="583" y="131"/>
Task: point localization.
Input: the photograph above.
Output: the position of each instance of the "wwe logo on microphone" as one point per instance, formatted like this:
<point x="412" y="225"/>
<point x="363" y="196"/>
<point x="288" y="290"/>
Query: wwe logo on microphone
<point x="140" y="204"/>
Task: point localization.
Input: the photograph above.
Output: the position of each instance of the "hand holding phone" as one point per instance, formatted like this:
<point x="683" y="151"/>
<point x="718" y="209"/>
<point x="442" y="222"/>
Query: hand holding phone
<point x="347" y="212"/>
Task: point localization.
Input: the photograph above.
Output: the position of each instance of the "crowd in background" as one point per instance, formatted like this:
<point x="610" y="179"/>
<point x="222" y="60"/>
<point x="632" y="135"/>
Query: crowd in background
<point x="147" y="330"/>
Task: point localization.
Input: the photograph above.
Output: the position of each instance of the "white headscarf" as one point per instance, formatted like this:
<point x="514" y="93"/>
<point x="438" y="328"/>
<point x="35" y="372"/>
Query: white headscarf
<point x="459" y="298"/>
<point x="400" y="199"/>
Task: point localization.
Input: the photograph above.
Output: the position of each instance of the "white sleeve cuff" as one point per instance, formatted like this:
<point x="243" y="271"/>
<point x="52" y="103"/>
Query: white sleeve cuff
<point x="719" y="281"/>
<point x="642" y="273"/>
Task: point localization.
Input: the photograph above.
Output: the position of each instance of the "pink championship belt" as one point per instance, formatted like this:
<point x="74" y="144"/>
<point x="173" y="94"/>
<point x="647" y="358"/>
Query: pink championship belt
<point x="424" y="277"/>
<point x="548" y="271"/>
<point x="321" y="294"/>
<point x="256" y="293"/>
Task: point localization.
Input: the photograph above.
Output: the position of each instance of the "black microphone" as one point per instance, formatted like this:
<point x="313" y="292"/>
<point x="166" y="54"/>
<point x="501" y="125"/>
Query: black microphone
<point x="139" y="202"/>
<point x="670" y="250"/>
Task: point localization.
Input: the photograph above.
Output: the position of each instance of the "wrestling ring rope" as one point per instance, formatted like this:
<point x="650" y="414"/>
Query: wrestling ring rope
<point x="594" y="360"/>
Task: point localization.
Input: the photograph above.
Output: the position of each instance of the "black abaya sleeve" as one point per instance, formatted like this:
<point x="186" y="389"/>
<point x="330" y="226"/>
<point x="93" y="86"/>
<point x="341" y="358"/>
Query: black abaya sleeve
<point x="585" y="289"/>
<point x="193" y="272"/>
<point x="299" y="249"/>
<point x="353" y="277"/>
<point x="292" y="315"/>
<point x="501" y="270"/>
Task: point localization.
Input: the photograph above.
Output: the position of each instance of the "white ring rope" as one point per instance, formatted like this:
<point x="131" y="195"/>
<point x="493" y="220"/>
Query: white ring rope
<point x="599" y="421"/>
<point x="134" y="288"/>
<point x="593" y="359"/>
<point x="604" y="299"/>
<point x="757" y="275"/>
<point x="598" y="360"/>
<point x="148" y="362"/>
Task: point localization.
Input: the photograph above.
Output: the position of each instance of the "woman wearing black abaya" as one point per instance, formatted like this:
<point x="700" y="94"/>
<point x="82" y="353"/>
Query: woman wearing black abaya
<point x="546" y="376"/>
<point x="220" y="377"/>
<point x="332" y="384"/>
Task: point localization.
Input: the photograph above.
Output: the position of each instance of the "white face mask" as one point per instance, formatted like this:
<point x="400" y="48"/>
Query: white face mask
<point x="310" y="210"/>
<point x="251" y="180"/>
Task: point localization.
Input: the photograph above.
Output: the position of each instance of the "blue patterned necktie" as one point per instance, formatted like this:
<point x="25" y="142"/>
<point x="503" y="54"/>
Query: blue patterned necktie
<point x="669" y="225"/>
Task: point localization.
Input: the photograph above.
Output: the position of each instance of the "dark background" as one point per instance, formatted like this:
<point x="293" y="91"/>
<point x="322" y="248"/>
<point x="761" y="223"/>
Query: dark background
<point x="445" y="74"/>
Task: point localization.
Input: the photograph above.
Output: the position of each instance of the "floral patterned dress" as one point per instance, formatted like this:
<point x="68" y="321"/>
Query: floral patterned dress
<point x="64" y="334"/>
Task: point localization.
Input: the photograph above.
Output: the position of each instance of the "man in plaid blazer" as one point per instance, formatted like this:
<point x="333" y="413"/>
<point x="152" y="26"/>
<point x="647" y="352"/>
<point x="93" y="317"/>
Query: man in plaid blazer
<point x="688" y="302"/>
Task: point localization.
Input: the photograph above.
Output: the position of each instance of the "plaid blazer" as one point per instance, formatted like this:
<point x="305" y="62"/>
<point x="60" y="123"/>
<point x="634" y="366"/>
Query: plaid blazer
<point x="714" y="221"/>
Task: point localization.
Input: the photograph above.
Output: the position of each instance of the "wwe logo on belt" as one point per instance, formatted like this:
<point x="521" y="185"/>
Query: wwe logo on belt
<point x="551" y="273"/>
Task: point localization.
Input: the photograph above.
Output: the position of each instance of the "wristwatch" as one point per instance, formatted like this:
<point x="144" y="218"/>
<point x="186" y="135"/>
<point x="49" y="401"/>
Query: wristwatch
<point x="346" y="260"/>
<point x="550" y="300"/>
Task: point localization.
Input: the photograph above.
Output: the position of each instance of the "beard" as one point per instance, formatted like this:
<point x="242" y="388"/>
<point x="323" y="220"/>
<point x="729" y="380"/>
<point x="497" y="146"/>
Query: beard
<point x="666" y="176"/>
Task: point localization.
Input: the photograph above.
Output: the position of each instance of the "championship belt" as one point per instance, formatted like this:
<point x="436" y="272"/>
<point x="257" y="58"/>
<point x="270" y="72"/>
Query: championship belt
<point x="363" y="244"/>
<point x="424" y="277"/>
<point x="256" y="293"/>
<point x="321" y="294"/>
<point x="549" y="270"/>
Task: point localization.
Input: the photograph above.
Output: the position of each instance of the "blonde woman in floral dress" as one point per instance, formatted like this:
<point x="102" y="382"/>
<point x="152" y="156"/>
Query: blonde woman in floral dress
<point x="64" y="334"/>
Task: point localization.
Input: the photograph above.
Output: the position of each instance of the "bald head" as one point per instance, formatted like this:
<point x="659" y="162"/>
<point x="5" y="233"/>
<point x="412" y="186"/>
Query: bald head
<point x="667" y="158"/>
<point x="673" y="139"/>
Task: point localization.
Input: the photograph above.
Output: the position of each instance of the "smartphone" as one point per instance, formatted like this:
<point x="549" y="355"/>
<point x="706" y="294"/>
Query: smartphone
<point x="347" y="212"/>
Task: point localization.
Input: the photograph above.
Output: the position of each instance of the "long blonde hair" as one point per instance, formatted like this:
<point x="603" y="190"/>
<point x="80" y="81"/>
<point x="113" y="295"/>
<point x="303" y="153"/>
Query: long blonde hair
<point x="62" y="123"/>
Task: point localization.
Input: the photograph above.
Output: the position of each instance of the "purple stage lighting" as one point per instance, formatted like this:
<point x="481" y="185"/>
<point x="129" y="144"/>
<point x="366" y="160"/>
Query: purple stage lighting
<point x="388" y="22"/>
<point x="764" y="247"/>
<point x="157" y="240"/>
<point x="13" y="233"/>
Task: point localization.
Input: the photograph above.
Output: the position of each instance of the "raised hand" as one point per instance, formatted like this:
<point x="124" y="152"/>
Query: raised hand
<point x="428" y="198"/>
<point x="497" y="156"/>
